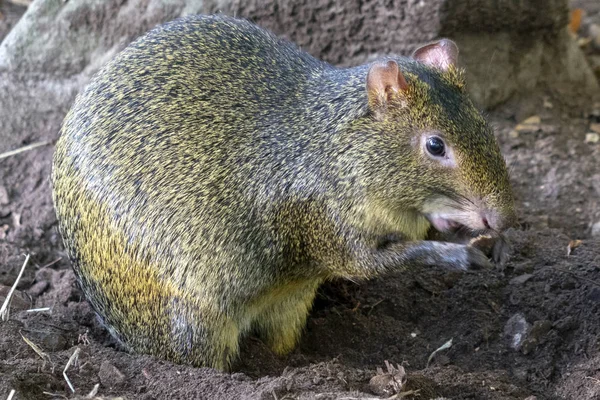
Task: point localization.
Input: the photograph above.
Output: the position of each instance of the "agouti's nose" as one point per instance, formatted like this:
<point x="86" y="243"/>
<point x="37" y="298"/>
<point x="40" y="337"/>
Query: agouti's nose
<point x="485" y="222"/>
<point x="497" y="221"/>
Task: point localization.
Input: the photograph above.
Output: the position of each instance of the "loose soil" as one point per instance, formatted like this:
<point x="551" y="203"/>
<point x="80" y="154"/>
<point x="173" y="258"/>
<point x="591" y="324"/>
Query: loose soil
<point x="530" y="328"/>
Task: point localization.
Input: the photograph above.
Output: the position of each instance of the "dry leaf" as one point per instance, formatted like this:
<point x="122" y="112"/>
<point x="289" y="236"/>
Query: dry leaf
<point x="575" y="22"/>
<point x="388" y="383"/>
<point x="573" y="244"/>
<point x="533" y="120"/>
<point x="529" y="125"/>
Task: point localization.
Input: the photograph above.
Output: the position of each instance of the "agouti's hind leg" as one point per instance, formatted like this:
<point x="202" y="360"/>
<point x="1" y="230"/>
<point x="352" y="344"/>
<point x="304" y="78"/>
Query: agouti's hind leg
<point x="203" y="341"/>
<point x="281" y="324"/>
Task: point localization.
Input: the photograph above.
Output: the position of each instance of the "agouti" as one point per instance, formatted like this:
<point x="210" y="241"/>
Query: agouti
<point x="212" y="176"/>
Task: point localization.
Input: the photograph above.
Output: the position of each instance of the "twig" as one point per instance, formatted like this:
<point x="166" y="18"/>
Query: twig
<point x="72" y="359"/>
<point x="52" y="262"/>
<point x="4" y="311"/>
<point x="445" y="346"/>
<point x="402" y="395"/>
<point x="11" y="394"/>
<point x="576" y="275"/>
<point x="38" y="309"/>
<point x="37" y="349"/>
<point x="55" y="395"/>
<point x="593" y="379"/>
<point x="375" y="305"/>
<point x="25" y="3"/>
<point x="24" y="148"/>
<point x="94" y="391"/>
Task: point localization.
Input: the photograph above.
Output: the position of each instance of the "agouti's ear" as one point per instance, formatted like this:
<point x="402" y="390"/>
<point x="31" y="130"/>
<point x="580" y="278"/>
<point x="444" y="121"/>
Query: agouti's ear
<point x="384" y="80"/>
<point x="440" y="55"/>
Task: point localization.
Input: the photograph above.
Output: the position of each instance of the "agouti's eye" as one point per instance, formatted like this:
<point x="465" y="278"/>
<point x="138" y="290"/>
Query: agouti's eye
<point x="435" y="146"/>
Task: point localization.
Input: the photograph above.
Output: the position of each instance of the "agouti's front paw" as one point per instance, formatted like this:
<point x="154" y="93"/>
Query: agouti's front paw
<point x="460" y="257"/>
<point x="496" y="247"/>
<point x="477" y="259"/>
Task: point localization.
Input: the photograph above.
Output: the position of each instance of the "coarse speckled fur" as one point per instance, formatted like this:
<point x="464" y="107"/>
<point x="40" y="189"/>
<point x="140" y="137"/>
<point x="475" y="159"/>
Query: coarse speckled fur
<point x="212" y="176"/>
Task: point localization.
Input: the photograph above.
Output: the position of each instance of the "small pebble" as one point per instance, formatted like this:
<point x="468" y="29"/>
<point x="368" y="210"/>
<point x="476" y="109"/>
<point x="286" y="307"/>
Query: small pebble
<point x="596" y="229"/>
<point x="388" y="383"/>
<point x="565" y="324"/>
<point x="3" y="196"/>
<point x="528" y="346"/>
<point x="594" y="295"/>
<point x="540" y="328"/>
<point x="524" y="268"/>
<point x="3" y="231"/>
<point x="531" y="124"/>
<point x="18" y="302"/>
<point x="110" y="376"/>
<point x="592" y="137"/>
<point x="53" y="341"/>
<point x="38" y="288"/>
<point x="516" y="329"/>
<point x="594" y="33"/>
<point x="521" y="279"/>
<point x="533" y="120"/>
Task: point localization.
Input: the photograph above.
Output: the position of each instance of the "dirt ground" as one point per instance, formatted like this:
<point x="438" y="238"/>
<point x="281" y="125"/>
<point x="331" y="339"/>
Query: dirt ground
<point x="531" y="328"/>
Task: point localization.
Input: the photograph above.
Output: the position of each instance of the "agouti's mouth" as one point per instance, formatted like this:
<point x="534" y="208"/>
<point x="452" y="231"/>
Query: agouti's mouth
<point x="444" y="224"/>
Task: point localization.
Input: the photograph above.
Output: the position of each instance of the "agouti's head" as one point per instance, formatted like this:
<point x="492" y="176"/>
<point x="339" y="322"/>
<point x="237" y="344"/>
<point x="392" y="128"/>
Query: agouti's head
<point x="438" y="154"/>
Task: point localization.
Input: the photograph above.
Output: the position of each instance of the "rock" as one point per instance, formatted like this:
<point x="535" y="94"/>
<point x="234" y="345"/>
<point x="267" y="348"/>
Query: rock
<point x="539" y="329"/>
<point x="525" y="267"/>
<point x="19" y="301"/>
<point x="592" y="137"/>
<point x="516" y="330"/>
<point x="53" y="341"/>
<point x="10" y="13"/>
<point x="521" y="279"/>
<point x="594" y="34"/>
<point x="38" y="288"/>
<point x="531" y="124"/>
<point x="511" y="50"/>
<point x="533" y="120"/>
<point x="3" y="196"/>
<point x="594" y="295"/>
<point x="566" y="324"/>
<point x="535" y="336"/>
<point x="110" y="376"/>
<point x="43" y="64"/>
<point x="528" y="346"/>
<point x="596" y="229"/>
<point x="388" y="383"/>
<point x="4" y="231"/>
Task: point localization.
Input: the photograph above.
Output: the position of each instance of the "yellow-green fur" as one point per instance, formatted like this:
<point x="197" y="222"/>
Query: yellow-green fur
<point x="212" y="176"/>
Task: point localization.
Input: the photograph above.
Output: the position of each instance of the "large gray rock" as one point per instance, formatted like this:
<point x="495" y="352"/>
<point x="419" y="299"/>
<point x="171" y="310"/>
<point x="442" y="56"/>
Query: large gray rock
<point x="10" y="14"/>
<point x="510" y="49"/>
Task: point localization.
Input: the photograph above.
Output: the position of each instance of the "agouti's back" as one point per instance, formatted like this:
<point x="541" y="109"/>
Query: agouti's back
<point x="212" y="176"/>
